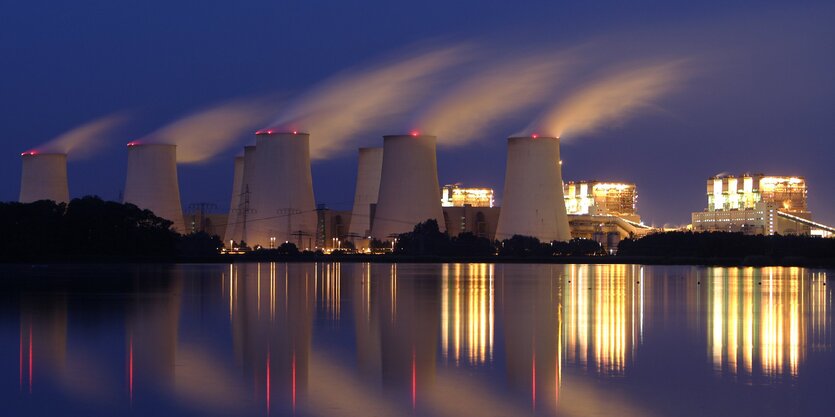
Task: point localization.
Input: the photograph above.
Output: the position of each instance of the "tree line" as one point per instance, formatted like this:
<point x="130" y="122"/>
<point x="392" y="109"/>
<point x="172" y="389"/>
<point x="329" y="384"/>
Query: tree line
<point x="89" y="228"/>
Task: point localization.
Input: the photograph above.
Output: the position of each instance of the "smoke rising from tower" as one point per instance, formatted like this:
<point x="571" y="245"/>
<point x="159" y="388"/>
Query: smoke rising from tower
<point x="202" y="135"/>
<point x="467" y="110"/>
<point x="611" y="98"/>
<point x="356" y="102"/>
<point x="86" y="139"/>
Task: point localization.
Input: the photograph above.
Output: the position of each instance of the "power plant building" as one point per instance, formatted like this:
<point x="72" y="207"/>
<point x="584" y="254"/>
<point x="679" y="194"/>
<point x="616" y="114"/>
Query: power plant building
<point x="284" y="206"/>
<point x="409" y="191"/>
<point x="756" y="204"/>
<point x="455" y="195"/>
<point x="369" y="172"/>
<point x="596" y="197"/>
<point x="44" y="177"/>
<point x="152" y="181"/>
<point x="533" y="203"/>
<point x="235" y="202"/>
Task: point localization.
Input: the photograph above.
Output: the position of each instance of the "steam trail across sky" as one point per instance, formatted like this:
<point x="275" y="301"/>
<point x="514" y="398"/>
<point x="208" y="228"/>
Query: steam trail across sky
<point x="202" y="135"/>
<point x="85" y="140"/>
<point x="468" y="109"/>
<point x="611" y="98"/>
<point x="354" y="103"/>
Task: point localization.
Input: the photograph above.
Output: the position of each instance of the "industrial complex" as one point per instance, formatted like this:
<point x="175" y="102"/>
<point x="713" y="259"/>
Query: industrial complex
<point x="397" y="186"/>
<point x="757" y="204"/>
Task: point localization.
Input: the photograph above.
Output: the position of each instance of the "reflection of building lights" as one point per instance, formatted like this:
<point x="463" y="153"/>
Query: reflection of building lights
<point x="600" y="324"/>
<point x="467" y="313"/>
<point x="329" y="286"/>
<point x="771" y="325"/>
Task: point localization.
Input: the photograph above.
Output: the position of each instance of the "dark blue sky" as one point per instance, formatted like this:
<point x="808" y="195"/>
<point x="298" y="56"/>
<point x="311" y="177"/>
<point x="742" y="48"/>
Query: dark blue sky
<point x="761" y="100"/>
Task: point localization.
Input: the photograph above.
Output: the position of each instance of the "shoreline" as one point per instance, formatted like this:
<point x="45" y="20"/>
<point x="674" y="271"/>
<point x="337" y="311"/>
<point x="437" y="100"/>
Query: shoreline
<point x="750" y="261"/>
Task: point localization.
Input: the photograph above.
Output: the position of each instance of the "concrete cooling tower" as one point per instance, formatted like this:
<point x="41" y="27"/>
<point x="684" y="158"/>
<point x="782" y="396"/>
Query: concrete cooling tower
<point x="152" y="181"/>
<point x="235" y="202"/>
<point x="533" y="203"/>
<point x="44" y="177"/>
<point x="369" y="171"/>
<point x="285" y="209"/>
<point x="244" y="209"/>
<point x="409" y="191"/>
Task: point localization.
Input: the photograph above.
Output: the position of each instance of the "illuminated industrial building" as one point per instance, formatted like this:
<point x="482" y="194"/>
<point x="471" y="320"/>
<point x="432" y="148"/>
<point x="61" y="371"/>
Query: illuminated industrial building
<point x="455" y="195"/>
<point x="758" y="205"/>
<point x="603" y="211"/>
<point x="595" y="197"/>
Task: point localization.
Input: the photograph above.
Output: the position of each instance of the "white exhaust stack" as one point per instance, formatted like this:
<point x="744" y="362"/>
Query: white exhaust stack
<point x="235" y="202"/>
<point x="244" y="209"/>
<point x="409" y="191"/>
<point x="44" y="177"/>
<point x="285" y="209"/>
<point x="369" y="171"/>
<point x="152" y="181"/>
<point x="533" y="203"/>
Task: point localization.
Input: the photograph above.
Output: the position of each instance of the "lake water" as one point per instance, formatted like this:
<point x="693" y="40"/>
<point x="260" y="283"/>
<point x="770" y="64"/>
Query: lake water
<point x="333" y="339"/>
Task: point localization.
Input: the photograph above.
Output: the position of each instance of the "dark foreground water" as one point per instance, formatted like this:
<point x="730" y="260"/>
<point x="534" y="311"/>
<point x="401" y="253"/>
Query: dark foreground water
<point x="414" y="340"/>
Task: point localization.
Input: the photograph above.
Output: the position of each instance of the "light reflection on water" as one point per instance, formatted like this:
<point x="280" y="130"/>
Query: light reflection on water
<point x="424" y="339"/>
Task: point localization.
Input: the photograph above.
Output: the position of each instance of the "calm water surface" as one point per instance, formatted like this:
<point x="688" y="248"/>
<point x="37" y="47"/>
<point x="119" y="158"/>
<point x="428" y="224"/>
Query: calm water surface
<point x="415" y="340"/>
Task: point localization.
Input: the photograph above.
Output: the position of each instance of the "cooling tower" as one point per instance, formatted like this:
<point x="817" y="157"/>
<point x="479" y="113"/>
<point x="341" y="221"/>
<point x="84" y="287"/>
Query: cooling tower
<point x="234" y="203"/>
<point x="152" y="181"/>
<point x="244" y="209"/>
<point x="409" y="191"/>
<point x="369" y="170"/>
<point x="533" y="203"/>
<point x="285" y="210"/>
<point x="44" y="177"/>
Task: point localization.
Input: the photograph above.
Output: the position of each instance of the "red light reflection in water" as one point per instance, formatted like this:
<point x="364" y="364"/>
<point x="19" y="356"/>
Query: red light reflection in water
<point x="268" y="382"/>
<point x="533" y="381"/>
<point x="20" y="361"/>
<point x="414" y="380"/>
<point x="130" y="370"/>
<point x="30" y="358"/>
<point x="293" y="382"/>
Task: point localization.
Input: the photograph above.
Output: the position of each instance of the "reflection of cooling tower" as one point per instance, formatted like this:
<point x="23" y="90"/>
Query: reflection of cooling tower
<point x="152" y="181"/>
<point x="533" y="203"/>
<point x="285" y="209"/>
<point x="369" y="169"/>
<point x="409" y="192"/>
<point x="234" y="203"/>
<point x="44" y="177"/>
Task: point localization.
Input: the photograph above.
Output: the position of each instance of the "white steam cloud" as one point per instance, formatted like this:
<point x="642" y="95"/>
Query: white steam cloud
<point x="355" y="103"/>
<point x="612" y="98"/>
<point x="85" y="140"/>
<point x="467" y="110"/>
<point x="202" y="135"/>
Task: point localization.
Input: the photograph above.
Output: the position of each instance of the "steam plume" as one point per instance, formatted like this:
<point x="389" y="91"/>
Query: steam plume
<point x="609" y="99"/>
<point x="85" y="140"/>
<point x="350" y="104"/>
<point x="467" y="110"/>
<point x="202" y="135"/>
